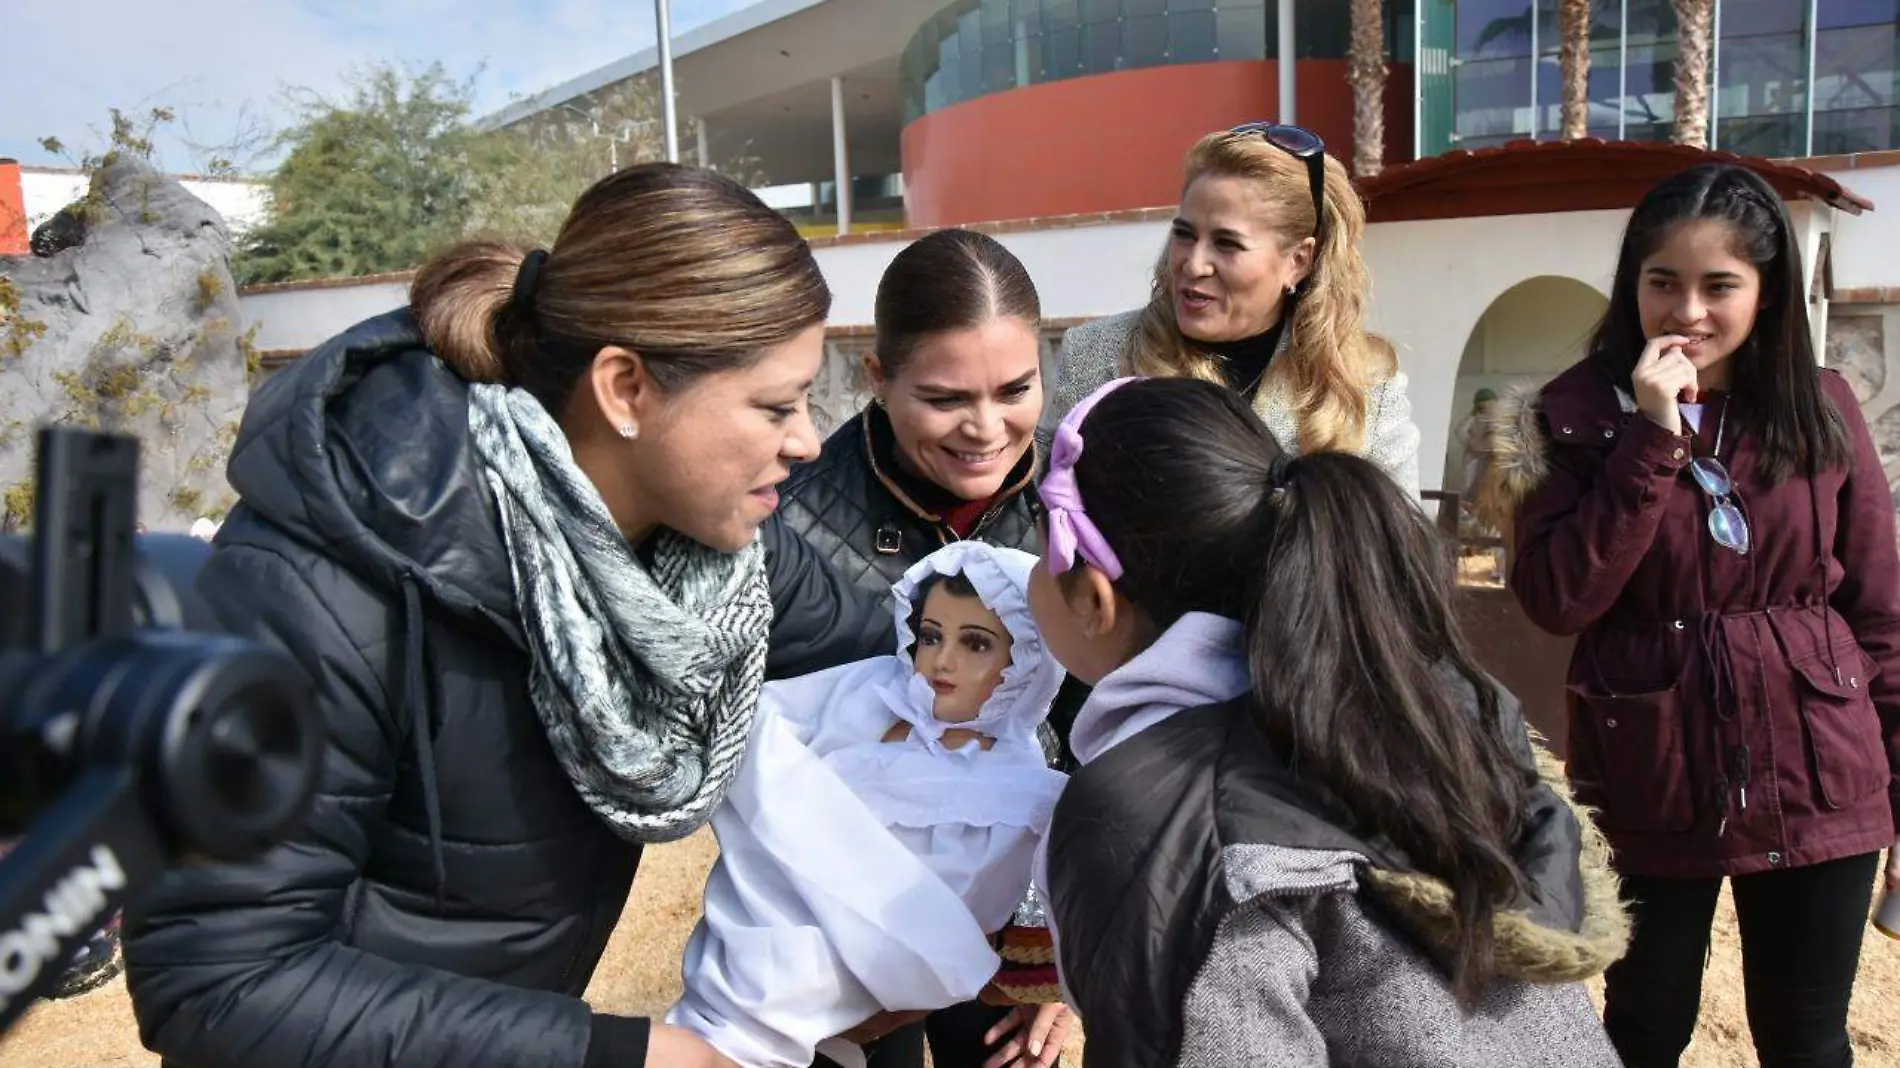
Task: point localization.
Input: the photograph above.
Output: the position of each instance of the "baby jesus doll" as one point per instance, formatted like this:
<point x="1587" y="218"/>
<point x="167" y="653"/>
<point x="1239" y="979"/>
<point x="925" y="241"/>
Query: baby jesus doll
<point x="882" y="828"/>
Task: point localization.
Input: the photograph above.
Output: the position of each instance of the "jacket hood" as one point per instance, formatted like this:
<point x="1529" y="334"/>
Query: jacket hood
<point x="1029" y="684"/>
<point x="1196" y="662"/>
<point x="1570" y="925"/>
<point x="1574" y="925"/>
<point x="1518" y="436"/>
<point x="361" y="450"/>
<point x="1515" y="464"/>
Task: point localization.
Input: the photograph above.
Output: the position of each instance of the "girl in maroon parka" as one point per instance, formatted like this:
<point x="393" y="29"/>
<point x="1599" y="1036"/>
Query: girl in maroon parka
<point x="1704" y="507"/>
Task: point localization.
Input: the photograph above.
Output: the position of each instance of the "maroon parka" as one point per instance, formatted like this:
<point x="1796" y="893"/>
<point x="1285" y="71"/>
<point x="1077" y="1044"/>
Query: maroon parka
<point x="1728" y="714"/>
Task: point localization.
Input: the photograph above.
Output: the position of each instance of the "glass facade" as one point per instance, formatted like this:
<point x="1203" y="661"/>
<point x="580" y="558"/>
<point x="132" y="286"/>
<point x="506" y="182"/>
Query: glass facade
<point x="1792" y="77"/>
<point x="976" y="47"/>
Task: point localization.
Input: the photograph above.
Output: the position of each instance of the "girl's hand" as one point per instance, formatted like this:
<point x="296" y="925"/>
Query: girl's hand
<point x="676" y="1047"/>
<point x="1036" y="1034"/>
<point x="1663" y="378"/>
<point x="1893" y="868"/>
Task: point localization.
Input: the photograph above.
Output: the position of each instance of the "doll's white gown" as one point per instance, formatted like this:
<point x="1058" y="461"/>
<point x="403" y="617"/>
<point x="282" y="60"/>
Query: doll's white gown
<point x="855" y="875"/>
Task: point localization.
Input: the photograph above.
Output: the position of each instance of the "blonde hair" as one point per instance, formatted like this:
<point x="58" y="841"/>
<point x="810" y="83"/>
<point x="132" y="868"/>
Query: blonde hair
<point x="1331" y="361"/>
<point x="685" y="267"/>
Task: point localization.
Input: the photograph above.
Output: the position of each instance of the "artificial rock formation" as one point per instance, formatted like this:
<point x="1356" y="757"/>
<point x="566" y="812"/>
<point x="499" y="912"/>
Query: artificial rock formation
<point x="136" y="330"/>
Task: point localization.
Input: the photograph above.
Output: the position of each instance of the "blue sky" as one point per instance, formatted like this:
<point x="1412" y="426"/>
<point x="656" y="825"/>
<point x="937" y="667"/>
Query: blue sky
<point x="69" y="61"/>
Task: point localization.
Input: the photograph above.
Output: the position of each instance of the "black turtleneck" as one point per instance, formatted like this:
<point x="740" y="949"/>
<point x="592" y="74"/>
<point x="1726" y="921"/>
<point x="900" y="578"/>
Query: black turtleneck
<point x="1243" y="363"/>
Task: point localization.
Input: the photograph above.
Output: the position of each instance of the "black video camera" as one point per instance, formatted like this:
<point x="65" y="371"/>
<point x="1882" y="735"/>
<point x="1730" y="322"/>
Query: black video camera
<point x="131" y="737"/>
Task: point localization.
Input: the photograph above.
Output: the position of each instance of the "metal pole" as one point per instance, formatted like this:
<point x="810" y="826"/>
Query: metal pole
<point x="1537" y="64"/>
<point x="1289" y="111"/>
<point x="1418" y="79"/>
<point x="1623" y="71"/>
<point x="1814" y="22"/>
<point x="699" y="136"/>
<point x="840" y="155"/>
<point x="1715" y="74"/>
<point x="663" y="16"/>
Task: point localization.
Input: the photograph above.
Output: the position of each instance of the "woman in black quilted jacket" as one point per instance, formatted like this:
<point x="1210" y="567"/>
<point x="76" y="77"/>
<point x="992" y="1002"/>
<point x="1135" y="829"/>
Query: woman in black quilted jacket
<point x="511" y="532"/>
<point x="945" y="451"/>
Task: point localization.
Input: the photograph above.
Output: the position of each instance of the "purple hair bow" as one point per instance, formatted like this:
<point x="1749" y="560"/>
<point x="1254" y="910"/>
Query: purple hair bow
<point x="1071" y="533"/>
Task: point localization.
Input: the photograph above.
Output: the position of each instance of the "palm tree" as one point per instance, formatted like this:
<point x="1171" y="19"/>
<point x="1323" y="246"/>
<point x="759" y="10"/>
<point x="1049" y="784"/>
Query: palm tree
<point x="1573" y="21"/>
<point x="1365" y="70"/>
<point x="1695" y="19"/>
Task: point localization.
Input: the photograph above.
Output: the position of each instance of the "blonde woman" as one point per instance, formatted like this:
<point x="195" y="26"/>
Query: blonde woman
<point x="1262" y="288"/>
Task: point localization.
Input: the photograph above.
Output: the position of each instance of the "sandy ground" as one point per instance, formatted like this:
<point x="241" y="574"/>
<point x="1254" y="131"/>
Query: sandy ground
<point x="640" y="975"/>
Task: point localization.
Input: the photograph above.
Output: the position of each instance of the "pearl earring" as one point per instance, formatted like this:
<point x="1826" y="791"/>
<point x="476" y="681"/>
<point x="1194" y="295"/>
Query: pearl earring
<point x="629" y="431"/>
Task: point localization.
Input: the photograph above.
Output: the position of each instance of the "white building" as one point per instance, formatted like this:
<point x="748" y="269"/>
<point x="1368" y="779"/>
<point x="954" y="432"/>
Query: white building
<point x="45" y="190"/>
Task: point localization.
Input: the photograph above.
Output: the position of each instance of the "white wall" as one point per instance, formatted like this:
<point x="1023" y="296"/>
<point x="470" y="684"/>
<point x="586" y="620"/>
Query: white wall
<point x="1433" y="282"/>
<point x="1079" y="271"/>
<point x="46" y="191"/>
<point x="1864" y="244"/>
<point x="304" y="318"/>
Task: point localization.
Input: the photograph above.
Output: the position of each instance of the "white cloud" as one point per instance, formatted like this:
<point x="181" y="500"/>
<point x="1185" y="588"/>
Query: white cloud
<point x="69" y="61"/>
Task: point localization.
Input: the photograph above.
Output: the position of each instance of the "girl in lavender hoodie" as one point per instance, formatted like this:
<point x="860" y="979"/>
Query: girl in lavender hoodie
<point x="1307" y="829"/>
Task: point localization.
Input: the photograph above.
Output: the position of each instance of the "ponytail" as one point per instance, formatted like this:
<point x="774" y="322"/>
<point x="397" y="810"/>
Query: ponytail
<point x="683" y="266"/>
<point x="461" y="300"/>
<point x="1362" y="679"/>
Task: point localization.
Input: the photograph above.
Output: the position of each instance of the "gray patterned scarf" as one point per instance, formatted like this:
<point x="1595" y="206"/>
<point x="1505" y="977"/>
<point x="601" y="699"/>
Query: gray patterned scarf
<point x="646" y="679"/>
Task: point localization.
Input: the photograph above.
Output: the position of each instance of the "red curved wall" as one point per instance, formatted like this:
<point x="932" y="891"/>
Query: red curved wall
<point x="13" y="235"/>
<point x="1110" y="142"/>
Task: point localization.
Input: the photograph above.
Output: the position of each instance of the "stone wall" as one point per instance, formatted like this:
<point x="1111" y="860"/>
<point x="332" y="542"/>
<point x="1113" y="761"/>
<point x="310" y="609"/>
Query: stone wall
<point x="1863" y="344"/>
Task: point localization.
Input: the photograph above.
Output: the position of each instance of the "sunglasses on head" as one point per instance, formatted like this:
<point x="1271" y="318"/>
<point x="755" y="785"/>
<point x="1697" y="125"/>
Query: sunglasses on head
<point x="1304" y="145"/>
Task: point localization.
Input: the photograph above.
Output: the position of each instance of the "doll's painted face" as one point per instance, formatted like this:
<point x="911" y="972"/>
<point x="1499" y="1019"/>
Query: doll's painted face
<point x="962" y="649"/>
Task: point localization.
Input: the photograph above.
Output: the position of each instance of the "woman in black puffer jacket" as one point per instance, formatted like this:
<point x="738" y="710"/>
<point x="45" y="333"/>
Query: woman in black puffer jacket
<point x="945" y="452"/>
<point x="511" y="534"/>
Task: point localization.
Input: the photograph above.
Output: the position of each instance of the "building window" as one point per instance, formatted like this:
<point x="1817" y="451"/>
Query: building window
<point x="1193" y="36"/>
<point x="1240" y="31"/>
<point x="1855" y="59"/>
<point x="1762" y="97"/>
<point x="1762" y="82"/>
<point x="1494" y="100"/>
<point x="975" y="47"/>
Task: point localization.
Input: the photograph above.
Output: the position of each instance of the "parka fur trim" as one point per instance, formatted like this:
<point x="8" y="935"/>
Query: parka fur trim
<point x="1516" y="465"/>
<point x="1526" y="950"/>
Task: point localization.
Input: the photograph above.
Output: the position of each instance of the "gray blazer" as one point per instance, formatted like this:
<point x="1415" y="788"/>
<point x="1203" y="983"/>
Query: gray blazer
<point x="1095" y="352"/>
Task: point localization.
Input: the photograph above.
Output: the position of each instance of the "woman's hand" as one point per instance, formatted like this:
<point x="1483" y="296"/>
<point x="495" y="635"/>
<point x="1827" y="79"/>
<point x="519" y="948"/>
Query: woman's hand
<point x="1663" y="378"/>
<point x="1893" y="868"/>
<point x="1036" y="1034"/>
<point x="880" y="1025"/>
<point x="676" y="1047"/>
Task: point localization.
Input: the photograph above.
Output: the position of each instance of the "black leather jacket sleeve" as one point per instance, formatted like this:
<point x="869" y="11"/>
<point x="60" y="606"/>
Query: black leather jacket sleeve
<point x="237" y="966"/>
<point x="820" y="619"/>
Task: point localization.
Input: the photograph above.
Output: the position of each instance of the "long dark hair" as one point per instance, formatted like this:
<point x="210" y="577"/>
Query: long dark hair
<point x="948" y="280"/>
<point x="1353" y="645"/>
<point x="1776" y="383"/>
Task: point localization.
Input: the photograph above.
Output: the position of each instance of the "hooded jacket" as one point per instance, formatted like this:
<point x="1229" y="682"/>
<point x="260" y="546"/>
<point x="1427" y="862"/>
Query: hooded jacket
<point x="1727" y="714"/>
<point x="858" y="874"/>
<point x="1213" y="909"/>
<point x="449" y="895"/>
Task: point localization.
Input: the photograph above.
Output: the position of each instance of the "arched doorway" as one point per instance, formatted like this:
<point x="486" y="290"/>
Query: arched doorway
<point x="1530" y="332"/>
